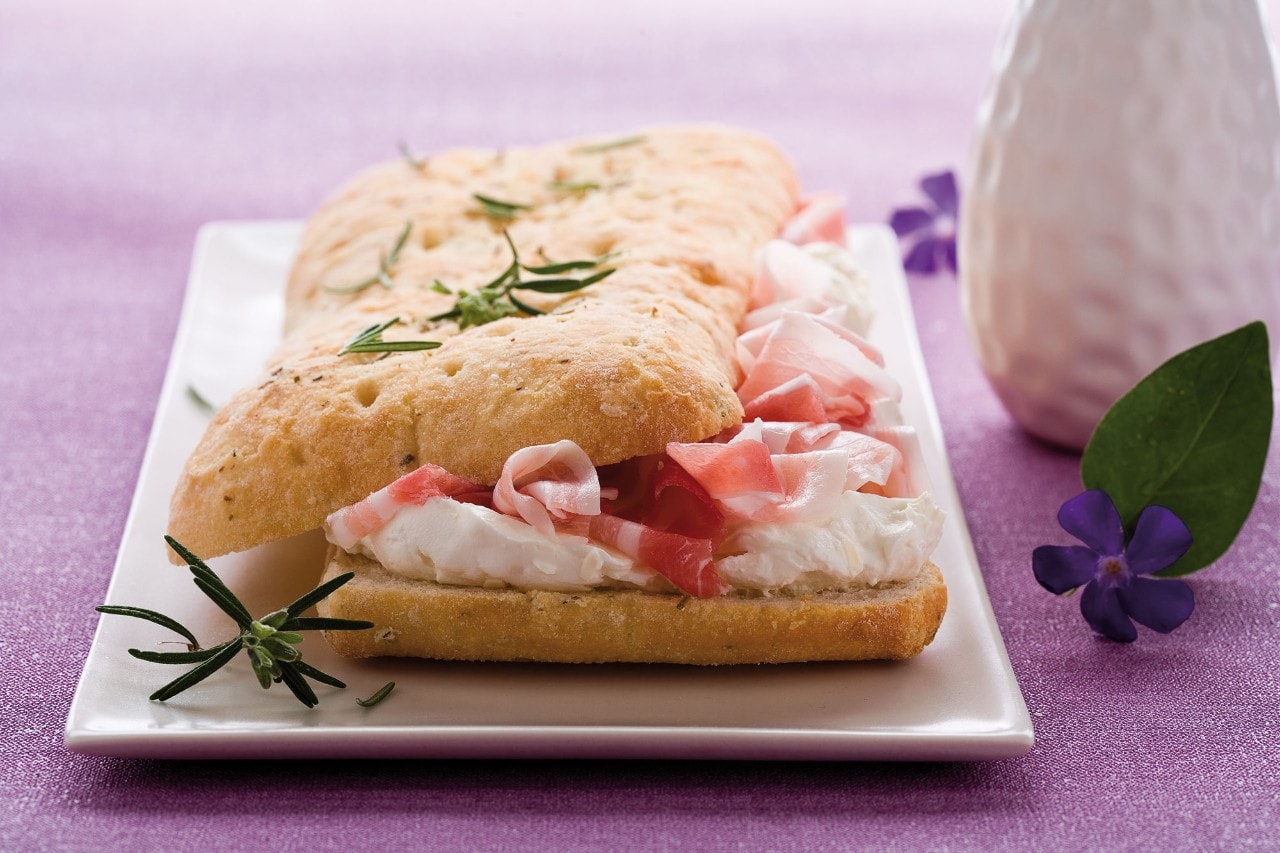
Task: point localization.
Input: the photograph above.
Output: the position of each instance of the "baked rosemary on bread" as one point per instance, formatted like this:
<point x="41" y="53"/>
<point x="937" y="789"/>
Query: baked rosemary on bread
<point x="578" y="403"/>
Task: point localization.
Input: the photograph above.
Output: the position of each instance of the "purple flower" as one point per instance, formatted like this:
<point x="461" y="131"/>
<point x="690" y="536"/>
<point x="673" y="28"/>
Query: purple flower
<point x="932" y="229"/>
<point x="1114" y="577"/>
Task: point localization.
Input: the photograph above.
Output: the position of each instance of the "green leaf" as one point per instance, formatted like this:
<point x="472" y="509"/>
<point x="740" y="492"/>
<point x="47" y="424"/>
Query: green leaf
<point x="498" y="209"/>
<point x="553" y="285"/>
<point x="152" y="616"/>
<point x="528" y="309"/>
<point x="383" y="692"/>
<point x="298" y="685"/>
<point x="567" y="266"/>
<point x="311" y="672"/>
<point x="177" y="657"/>
<point x="573" y="186"/>
<point x="321" y="623"/>
<point x="200" y="673"/>
<point x="318" y="594"/>
<point x="389" y="346"/>
<point x="1192" y="437"/>
<point x="610" y="145"/>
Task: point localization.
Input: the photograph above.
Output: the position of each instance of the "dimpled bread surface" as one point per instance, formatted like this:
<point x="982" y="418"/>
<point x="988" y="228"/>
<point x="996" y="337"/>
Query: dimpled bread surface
<point x="621" y="367"/>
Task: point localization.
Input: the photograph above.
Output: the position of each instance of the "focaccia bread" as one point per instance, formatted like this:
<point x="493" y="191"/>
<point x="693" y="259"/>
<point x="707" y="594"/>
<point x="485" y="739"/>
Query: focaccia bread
<point x="422" y="619"/>
<point x="622" y="367"/>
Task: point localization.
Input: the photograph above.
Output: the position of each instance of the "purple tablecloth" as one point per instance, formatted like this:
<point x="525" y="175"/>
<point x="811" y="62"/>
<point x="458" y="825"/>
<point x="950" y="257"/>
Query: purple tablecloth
<point x="124" y="126"/>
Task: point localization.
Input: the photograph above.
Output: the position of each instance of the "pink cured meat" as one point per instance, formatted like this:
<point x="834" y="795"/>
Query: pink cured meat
<point x="749" y="344"/>
<point x="870" y="459"/>
<point x="545" y="481"/>
<point x="785" y="272"/>
<point x="786" y="472"/>
<point x="840" y="373"/>
<point x="802" y="398"/>
<point x="820" y="219"/>
<point x="909" y="478"/>
<point x="685" y="561"/>
<point x="350" y="524"/>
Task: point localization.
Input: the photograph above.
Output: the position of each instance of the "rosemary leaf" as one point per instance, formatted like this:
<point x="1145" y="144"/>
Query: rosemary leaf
<point x="319" y="593"/>
<point x="227" y="603"/>
<point x="527" y="309"/>
<point x="177" y="657"/>
<point x="321" y="623"/>
<point x="370" y="340"/>
<point x="602" y="147"/>
<point x="385" y="263"/>
<point x="572" y="186"/>
<point x="409" y="158"/>
<point x="498" y="209"/>
<point x="390" y="346"/>
<point x="200" y="673"/>
<point x="383" y="692"/>
<point x="200" y="400"/>
<point x="553" y="285"/>
<point x="152" y="616"/>
<point x="566" y="266"/>
<point x="298" y="685"/>
<point x="316" y="675"/>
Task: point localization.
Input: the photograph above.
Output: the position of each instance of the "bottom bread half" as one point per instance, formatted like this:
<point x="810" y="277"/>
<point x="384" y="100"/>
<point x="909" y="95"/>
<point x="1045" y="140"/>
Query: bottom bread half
<point x="430" y="620"/>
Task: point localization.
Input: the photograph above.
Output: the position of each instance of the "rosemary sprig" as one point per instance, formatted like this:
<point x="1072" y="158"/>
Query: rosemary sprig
<point x="601" y="147"/>
<point x="413" y="161"/>
<point x="383" y="692"/>
<point x="497" y="209"/>
<point x="385" y="263"/>
<point x="370" y="340"/>
<point x="572" y="186"/>
<point x="270" y="642"/>
<point x="201" y="401"/>
<point x="496" y="299"/>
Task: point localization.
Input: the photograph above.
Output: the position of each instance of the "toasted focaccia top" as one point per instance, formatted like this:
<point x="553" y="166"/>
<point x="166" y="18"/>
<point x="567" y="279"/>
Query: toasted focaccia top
<point x="621" y="367"/>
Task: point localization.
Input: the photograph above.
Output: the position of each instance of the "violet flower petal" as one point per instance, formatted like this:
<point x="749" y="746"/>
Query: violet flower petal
<point x="949" y="254"/>
<point x="1101" y="608"/>
<point x="923" y="256"/>
<point x="1159" y="603"/>
<point x="1158" y="541"/>
<point x="909" y="220"/>
<point x="942" y="191"/>
<point x="1062" y="568"/>
<point x="1092" y="518"/>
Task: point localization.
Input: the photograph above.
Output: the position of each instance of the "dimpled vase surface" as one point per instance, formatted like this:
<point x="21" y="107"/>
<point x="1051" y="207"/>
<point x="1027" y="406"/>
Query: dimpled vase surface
<point x="1122" y="199"/>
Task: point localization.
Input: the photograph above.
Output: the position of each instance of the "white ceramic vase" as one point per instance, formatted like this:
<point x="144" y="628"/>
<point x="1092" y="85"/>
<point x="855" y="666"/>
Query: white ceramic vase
<point x="1123" y="199"/>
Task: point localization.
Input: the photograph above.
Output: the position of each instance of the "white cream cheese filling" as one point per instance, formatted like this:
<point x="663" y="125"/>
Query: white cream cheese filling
<point x="868" y="540"/>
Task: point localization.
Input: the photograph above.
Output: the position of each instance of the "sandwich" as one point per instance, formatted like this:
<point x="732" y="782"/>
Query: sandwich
<point x="597" y="401"/>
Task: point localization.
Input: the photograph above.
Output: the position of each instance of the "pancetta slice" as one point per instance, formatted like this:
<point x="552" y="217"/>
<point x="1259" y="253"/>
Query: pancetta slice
<point x="350" y="524"/>
<point x="548" y="481"/>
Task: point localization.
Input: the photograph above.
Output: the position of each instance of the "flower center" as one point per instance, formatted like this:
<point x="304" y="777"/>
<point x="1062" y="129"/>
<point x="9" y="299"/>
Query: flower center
<point x="1113" y="566"/>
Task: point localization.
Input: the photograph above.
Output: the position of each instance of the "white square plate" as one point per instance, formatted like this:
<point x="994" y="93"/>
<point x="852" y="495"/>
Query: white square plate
<point x="957" y="701"/>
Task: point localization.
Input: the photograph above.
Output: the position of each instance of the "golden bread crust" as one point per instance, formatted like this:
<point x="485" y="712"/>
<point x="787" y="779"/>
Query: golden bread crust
<point x="430" y="620"/>
<point x="621" y="368"/>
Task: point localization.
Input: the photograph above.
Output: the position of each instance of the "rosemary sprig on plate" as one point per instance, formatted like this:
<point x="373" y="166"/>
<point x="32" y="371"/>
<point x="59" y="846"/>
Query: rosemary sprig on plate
<point x="493" y="208"/>
<point x="270" y="642"/>
<point x="383" y="692"/>
<point x="496" y="299"/>
<point x="385" y="263"/>
<point x="370" y="340"/>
